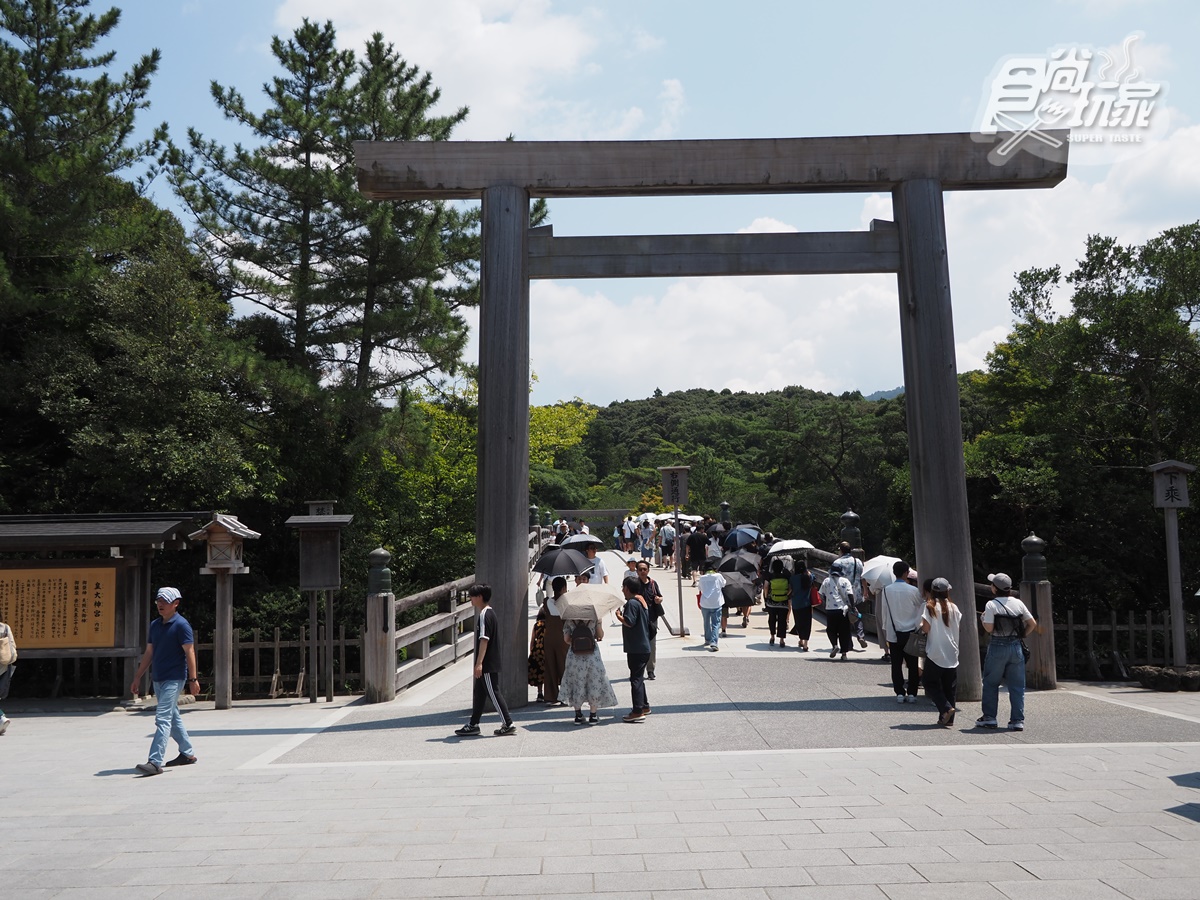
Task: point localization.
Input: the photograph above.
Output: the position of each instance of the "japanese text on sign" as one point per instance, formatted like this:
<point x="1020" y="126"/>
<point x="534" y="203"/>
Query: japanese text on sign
<point x="57" y="608"/>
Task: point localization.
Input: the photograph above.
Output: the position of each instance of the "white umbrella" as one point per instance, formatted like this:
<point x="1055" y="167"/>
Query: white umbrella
<point x="877" y="571"/>
<point x="794" y="545"/>
<point x="588" y="602"/>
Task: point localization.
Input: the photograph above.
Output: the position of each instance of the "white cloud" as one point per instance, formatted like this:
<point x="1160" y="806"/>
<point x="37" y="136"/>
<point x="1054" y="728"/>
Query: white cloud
<point x="767" y="225"/>
<point x="499" y="57"/>
<point x="671" y="105"/>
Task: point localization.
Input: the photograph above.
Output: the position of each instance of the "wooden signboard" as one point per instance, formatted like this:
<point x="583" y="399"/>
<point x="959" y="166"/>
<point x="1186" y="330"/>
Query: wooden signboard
<point x="60" y="605"/>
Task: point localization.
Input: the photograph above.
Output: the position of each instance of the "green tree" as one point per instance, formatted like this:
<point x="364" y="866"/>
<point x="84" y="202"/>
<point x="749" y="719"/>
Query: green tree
<point x="1080" y="403"/>
<point x="67" y="219"/>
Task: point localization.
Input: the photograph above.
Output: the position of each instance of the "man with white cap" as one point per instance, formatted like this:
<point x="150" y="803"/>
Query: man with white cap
<point x="171" y="653"/>
<point x="1007" y="620"/>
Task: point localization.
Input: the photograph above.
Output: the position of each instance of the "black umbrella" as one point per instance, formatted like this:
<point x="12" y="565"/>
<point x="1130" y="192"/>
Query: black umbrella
<point x="579" y="541"/>
<point x="742" y="562"/>
<point x="563" y="561"/>
<point x="738" y="590"/>
<point x="716" y="529"/>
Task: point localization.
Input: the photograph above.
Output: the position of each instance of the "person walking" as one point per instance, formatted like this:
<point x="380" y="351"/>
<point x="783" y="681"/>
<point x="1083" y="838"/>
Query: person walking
<point x="8" y="667"/>
<point x="901" y="604"/>
<point x="650" y="590"/>
<point x="666" y="537"/>
<point x="171" y="657"/>
<point x="585" y="680"/>
<point x="555" y="653"/>
<point x="852" y="570"/>
<point x="940" y="620"/>
<point x="635" y="640"/>
<point x="777" y="592"/>
<point x="712" y="602"/>
<point x="487" y="665"/>
<point x="1007" y="620"/>
<point x="801" y="600"/>
<point x="837" y="595"/>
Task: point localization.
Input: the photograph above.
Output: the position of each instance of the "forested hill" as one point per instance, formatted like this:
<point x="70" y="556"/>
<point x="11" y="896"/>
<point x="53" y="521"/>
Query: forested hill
<point x="793" y="459"/>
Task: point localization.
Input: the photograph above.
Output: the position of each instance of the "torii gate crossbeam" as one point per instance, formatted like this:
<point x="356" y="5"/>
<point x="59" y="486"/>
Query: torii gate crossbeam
<point x="914" y="169"/>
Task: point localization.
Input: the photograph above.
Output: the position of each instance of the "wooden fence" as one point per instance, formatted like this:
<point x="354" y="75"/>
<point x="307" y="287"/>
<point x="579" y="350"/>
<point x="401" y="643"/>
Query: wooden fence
<point x="1105" y="646"/>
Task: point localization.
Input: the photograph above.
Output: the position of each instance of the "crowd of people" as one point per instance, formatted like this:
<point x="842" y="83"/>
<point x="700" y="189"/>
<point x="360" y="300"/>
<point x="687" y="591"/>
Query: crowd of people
<point x="918" y="623"/>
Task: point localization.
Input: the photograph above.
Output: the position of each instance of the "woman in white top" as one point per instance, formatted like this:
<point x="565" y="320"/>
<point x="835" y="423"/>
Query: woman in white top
<point x="940" y="621"/>
<point x="838" y="595"/>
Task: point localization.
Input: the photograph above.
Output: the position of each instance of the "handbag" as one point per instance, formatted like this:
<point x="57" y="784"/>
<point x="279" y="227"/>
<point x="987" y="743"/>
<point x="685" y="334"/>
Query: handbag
<point x="915" y="645"/>
<point x="814" y="595"/>
<point x="1025" y="650"/>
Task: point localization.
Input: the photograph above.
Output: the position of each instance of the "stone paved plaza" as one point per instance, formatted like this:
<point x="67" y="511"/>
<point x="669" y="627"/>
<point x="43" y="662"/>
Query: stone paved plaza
<point x="761" y="773"/>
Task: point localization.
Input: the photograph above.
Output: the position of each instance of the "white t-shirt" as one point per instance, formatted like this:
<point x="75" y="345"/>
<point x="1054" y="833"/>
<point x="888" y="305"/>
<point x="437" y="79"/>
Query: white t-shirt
<point x="710" y="585"/>
<point x="902" y="605"/>
<point x="1002" y="606"/>
<point x="942" y="644"/>
<point x="600" y="572"/>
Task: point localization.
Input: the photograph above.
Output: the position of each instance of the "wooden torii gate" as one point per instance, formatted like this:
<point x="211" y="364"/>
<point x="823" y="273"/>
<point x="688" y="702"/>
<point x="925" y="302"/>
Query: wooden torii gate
<point x="915" y="169"/>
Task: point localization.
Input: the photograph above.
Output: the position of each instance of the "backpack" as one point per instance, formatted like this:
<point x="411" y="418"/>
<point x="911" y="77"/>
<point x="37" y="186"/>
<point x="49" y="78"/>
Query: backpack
<point x="582" y="640"/>
<point x="8" y="647"/>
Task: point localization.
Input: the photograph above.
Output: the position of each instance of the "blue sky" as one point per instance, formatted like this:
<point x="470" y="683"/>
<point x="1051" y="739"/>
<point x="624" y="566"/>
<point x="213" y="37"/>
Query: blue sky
<point x="546" y="70"/>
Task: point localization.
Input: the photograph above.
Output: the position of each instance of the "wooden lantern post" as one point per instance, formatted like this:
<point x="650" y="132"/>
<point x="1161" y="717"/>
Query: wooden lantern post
<point x="224" y="536"/>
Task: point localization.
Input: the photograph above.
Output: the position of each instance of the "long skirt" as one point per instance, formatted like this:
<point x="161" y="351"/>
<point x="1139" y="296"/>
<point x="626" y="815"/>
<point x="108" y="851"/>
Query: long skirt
<point x="537" y="654"/>
<point x="585" y="682"/>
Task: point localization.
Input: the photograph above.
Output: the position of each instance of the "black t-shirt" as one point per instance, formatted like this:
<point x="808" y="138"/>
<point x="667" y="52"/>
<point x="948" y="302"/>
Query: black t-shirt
<point x="697" y="545"/>
<point x="487" y="627"/>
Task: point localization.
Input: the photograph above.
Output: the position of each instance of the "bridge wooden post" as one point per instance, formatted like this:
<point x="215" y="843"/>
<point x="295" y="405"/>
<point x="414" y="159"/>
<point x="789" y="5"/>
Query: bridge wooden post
<point x="502" y="498"/>
<point x="935" y="447"/>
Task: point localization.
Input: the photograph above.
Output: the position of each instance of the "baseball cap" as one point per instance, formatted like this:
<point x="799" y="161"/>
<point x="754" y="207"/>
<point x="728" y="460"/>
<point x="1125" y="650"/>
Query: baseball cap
<point x="940" y="584"/>
<point x="1001" y="581"/>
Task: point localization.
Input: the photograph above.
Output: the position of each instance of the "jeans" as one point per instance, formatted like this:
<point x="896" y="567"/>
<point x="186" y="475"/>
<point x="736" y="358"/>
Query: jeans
<point x="1004" y="662"/>
<point x="637" y="680"/>
<point x="899" y="660"/>
<point x="712" y="624"/>
<point x="168" y="723"/>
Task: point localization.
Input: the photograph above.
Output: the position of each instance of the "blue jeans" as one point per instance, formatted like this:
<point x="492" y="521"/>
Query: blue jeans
<point x="1004" y="662"/>
<point x="168" y="722"/>
<point x="712" y="624"/>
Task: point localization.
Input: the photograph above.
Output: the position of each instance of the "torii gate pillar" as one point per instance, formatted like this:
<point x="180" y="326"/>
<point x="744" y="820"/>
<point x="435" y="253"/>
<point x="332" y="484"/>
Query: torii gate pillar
<point x="935" y="459"/>
<point x="502" y="494"/>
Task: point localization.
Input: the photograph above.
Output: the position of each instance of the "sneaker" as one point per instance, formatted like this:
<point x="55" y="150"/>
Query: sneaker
<point x="645" y="711"/>
<point x="985" y="722"/>
<point x="634" y="715"/>
<point x="771" y="642"/>
<point x="505" y="730"/>
<point x="713" y="648"/>
<point x="862" y="643"/>
<point x="4" y="720"/>
<point x="578" y="718"/>
<point x="182" y="760"/>
<point x="1016" y="726"/>
<point x="899" y="698"/>
<point x="149" y="768"/>
<point x="910" y="698"/>
<point x="650" y="677"/>
<point x="782" y="642"/>
<point x="467" y="730"/>
<point x="593" y="719"/>
<point x="833" y="653"/>
<point x="707" y="644"/>
<point x="724" y="634"/>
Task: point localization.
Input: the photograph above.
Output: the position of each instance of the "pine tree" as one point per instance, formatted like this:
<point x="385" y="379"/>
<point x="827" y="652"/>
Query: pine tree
<point x="66" y="216"/>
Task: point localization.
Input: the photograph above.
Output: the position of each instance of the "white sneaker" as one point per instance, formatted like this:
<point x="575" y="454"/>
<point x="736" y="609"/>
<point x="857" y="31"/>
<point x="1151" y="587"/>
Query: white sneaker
<point x="910" y="699"/>
<point x="899" y="698"/>
<point x="4" y="720"/>
<point x="713" y="648"/>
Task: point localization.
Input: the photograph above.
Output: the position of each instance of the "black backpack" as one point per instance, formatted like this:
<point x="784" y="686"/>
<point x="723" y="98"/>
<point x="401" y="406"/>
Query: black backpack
<point x="583" y="641"/>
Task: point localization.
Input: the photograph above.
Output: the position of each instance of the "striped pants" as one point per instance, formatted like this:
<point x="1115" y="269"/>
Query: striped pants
<point x="487" y="687"/>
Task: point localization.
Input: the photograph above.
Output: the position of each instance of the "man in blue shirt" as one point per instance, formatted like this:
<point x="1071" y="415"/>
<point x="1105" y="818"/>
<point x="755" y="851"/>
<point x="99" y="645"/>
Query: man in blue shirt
<point x="170" y="649"/>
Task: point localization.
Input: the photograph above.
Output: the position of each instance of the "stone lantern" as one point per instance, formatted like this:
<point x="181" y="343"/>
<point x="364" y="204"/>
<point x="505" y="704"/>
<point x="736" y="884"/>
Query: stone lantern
<point x="224" y="537"/>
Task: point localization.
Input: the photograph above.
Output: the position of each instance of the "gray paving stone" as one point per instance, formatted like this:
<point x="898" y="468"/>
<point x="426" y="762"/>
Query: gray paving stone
<point x="1154" y="888"/>
<point x="871" y="874"/>
<point x="732" y="879"/>
<point x="1058" y="890"/>
<point x="972" y="871"/>
<point x="950" y="890"/>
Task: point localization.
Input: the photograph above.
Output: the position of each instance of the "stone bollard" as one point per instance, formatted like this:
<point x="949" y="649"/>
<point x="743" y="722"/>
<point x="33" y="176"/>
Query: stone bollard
<point x="1040" y="674"/>
<point x="379" y="631"/>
